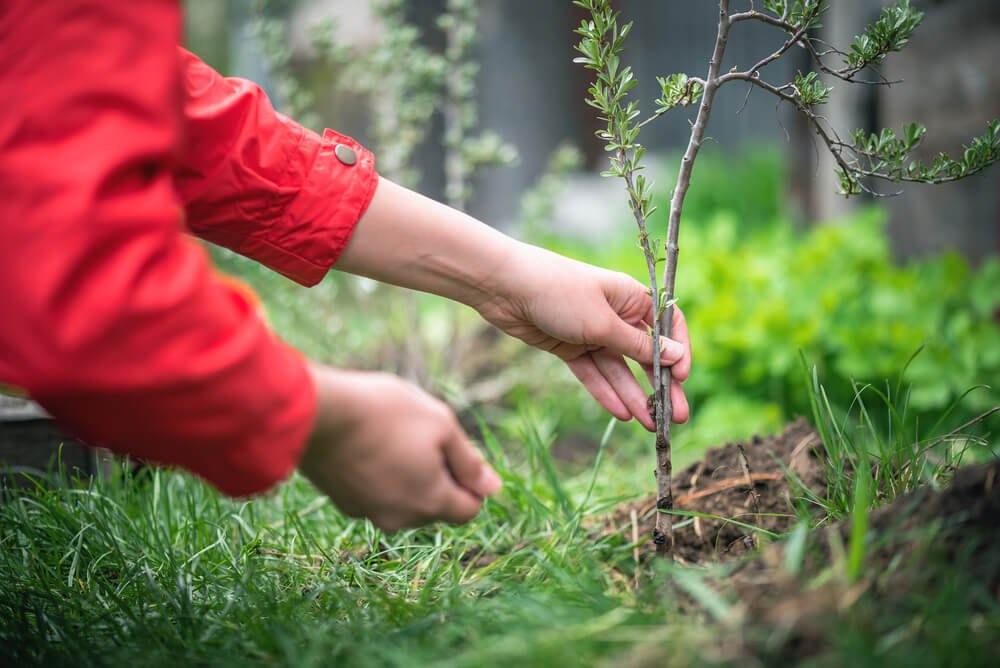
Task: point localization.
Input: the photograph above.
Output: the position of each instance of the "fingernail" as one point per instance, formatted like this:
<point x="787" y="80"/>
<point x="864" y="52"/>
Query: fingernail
<point x="670" y="349"/>
<point x="489" y="481"/>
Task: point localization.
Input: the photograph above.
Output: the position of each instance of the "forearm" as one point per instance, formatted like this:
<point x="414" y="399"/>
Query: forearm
<point x="409" y="240"/>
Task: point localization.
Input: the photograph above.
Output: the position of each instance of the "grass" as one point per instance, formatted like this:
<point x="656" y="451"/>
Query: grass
<point x="160" y="569"/>
<point x="156" y="568"/>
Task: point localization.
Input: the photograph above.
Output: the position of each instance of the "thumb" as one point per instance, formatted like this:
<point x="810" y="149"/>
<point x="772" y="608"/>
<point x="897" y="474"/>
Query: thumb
<point x="633" y="342"/>
<point x="468" y="468"/>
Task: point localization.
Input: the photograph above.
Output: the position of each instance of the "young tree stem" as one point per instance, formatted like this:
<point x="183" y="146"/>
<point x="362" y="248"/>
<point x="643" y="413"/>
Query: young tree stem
<point x="647" y="251"/>
<point x="663" y="534"/>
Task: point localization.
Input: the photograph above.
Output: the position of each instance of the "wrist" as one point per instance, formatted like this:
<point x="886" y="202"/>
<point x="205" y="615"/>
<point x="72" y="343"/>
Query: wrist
<point x="496" y="275"/>
<point x="335" y="406"/>
<point x="523" y="271"/>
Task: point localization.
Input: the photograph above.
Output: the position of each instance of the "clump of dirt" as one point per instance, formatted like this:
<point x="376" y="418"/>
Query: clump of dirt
<point x="720" y="485"/>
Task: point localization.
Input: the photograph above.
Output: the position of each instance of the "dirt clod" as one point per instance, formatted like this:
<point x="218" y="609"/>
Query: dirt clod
<point x="717" y="485"/>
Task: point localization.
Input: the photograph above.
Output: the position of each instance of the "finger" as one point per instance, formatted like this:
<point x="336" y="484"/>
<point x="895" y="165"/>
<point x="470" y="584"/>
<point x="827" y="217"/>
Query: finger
<point x="679" y="402"/>
<point x="649" y="375"/>
<point x="467" y="466"/>
<point x="623" y="382"/>
<point x="586" y="371"/>
<point x="629" y="341"/>
<point x="681" y="368"/>
<point x="458" y="505"/>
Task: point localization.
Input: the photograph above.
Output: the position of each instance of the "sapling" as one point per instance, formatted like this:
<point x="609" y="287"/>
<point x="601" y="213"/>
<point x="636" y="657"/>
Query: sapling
<point x="860" y="158"/>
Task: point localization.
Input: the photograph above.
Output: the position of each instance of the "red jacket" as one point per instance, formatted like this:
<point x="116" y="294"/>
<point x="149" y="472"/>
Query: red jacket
<point x="113" y="144"/>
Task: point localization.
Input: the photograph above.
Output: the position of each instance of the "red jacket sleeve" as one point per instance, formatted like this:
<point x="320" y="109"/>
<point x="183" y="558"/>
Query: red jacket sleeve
<point x="110" y="316"/>
<point x="258" y="183"/>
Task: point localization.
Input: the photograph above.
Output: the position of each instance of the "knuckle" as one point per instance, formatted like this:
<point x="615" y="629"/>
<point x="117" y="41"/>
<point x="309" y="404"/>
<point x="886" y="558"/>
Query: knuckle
<point x="442" y="412"/>
<point x="642" y="344"/>
<point x="643" y="339"/>
<point x="632" y="288"/>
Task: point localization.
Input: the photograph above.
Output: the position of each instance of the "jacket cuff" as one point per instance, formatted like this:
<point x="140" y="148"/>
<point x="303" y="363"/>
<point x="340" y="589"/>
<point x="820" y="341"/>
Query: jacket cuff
<point x="321" y="219"/>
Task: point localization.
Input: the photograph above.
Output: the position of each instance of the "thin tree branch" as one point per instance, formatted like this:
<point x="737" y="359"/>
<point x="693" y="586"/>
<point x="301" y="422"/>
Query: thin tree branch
<point x="800" y="37"/>
<point x="795" y="38"/>
<point x="831" y="142"/>
<point x="837" y="147"/>
<point x="656" y="114"/>
<point x="663" y="532"/>
<point x="647" y="250"/>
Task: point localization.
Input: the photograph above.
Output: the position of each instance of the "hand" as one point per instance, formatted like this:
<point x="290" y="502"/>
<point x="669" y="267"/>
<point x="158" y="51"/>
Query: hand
<point x="591" y="318"/>
<point x="385" y="450"/>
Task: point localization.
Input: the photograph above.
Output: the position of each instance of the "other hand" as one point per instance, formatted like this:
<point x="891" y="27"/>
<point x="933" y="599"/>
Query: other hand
<point x="385" y="450"/>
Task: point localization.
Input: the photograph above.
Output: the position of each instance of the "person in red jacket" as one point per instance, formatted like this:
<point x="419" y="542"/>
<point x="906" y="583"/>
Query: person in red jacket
<point x="115" y="143"/>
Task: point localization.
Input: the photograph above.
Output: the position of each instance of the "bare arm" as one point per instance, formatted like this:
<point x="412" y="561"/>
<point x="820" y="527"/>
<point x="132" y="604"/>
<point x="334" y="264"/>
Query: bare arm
<point x="412" y="241"/>
<point x="589" y="317"/>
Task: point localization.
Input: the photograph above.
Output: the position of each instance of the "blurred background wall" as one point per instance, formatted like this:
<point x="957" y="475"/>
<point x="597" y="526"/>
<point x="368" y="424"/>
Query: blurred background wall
<point x="532" y="94"/>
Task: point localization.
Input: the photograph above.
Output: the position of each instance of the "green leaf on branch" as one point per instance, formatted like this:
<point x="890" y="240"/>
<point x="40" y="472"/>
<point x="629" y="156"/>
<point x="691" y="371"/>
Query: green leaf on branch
<point x="663" y="303"/>
<point x="677" y="90"/>
<point x="799" y="13"/>
<point x="890" y="33"/>
<point x="887" y="155"/>
<point x="811" y="89"/>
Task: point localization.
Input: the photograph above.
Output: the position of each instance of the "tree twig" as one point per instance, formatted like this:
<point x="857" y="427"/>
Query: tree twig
<point x="800" y="36"/>
<point x="727" y="484"/>
<point x="663" y="531"/>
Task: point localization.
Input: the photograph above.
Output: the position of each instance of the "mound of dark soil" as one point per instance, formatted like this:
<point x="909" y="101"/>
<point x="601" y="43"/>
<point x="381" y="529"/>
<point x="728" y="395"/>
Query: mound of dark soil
<point x="718" y="485"/>
<point x="927" y="546"/>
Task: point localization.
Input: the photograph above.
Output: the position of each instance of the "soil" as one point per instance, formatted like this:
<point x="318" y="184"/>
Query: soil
<point x="717" y="485"/>
<point x="924" y="540"/>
